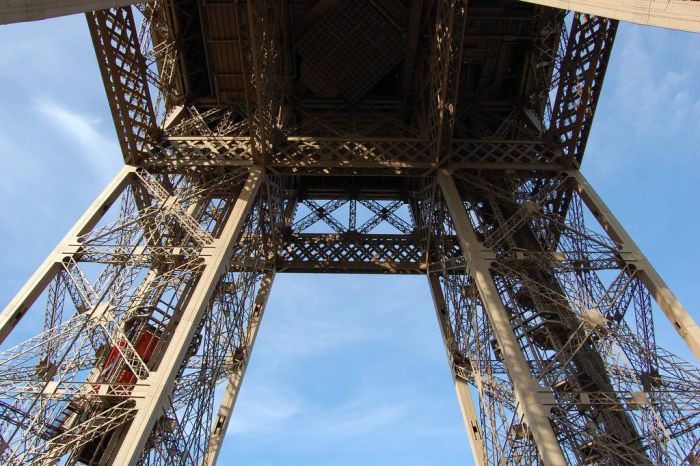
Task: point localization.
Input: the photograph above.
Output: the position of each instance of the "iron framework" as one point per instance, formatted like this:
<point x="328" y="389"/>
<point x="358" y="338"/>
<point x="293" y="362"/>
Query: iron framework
<point x="437" y="138"/>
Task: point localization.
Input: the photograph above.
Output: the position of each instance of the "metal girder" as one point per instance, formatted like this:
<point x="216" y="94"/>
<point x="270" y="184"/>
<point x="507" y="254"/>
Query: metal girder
<point x="118" y="283"/>
<point x="580" y="80"/>
<point x="581" y="314"/>
<point x="672" y="14"/>
<point x="161" y="382"/>
<point x="443" y="79"/>
<point x="311" y="155"/>
<point x="16" y="309"/>
<point x="260" y="38"/>
<point x="351" y="253"/>
<point x="162" y="49"/>
<point x="350" y="248"/>
<point x="679" y="317"/>
<point x="154" y="298"/>
<point x="555" y="357"/>
<point x="16" y="11"/>
<point x="464" y="397"/>
<point x="530" y="396"/>
<point x="243" y="352"/>
<point x="123" y="68"/>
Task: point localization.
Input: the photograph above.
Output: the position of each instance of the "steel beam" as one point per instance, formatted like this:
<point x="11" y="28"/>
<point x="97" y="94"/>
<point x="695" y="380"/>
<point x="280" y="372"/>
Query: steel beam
<point x="123" y="68"/>
<point x="157" y="388"/>
<point x="464" y="397"/>
<point x="528" y="323"/>
<point x="258" y="27"/>
<point x="683" y="15"/>
<point x="580" y="82"/>
<point x="351" y="253"/>
<point x="223" y="417"/>
<point x="679" y="317"/>
<point x="332" y="154"/>
<point x="530" y="396"/>
<point x="444" y="75"/>
<point x="582" y="316"/>
<point x="31" y="290"/>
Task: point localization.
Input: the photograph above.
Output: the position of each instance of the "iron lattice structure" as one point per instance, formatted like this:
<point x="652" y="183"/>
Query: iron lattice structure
<point x="437" y="138"/>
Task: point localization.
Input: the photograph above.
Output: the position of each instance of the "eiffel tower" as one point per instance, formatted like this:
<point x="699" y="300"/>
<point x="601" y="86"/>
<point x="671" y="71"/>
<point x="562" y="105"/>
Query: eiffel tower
<point x="440" y="138"/>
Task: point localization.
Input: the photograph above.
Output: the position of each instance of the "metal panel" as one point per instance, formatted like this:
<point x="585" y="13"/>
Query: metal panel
<point x="15" y="11"/>
<point x="673" y="14"/>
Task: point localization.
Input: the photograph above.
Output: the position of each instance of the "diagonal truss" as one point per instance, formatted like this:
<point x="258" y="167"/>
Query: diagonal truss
<point x="560" y="304"/>
<point x="151" y="304"/>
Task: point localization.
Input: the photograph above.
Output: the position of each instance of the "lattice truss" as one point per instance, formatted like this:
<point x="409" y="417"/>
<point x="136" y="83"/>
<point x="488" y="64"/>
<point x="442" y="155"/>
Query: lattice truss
<point x="151" y="305"/>
<point x="112" y="305"/>
<point x="582" y="316"/>
<point x="361" y="235"/>
<point x="567" y="68"/>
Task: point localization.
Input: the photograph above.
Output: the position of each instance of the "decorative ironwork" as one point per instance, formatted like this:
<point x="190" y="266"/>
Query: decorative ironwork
<point x="441" y="139"/>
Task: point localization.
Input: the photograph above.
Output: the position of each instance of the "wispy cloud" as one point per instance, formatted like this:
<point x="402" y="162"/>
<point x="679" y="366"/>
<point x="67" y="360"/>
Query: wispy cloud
<point x="361" y="415"/>
<point x="266" y="410"/>
<point x="653" y="93"/>
<point x="99" y="152"/>
<point x="649" y="102"/>
<point x="296" y="328"/>
<point x="296" y="336"/>
<point x="20" y="166"/>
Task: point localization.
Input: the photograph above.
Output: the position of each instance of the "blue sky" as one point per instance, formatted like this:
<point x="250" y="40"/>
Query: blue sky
<point x="347" y="369"/>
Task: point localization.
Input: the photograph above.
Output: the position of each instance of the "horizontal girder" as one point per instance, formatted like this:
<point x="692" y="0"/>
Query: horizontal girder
<point x="541" y="292"/>
<point x="309" y="155"/>
<point x="471" y="125"/>
<point x="439" y="138"/>
<point x="347" y="253"/>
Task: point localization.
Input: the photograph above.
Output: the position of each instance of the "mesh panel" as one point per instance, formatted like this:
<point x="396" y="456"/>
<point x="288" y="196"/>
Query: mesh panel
<point x="351" y="49"/>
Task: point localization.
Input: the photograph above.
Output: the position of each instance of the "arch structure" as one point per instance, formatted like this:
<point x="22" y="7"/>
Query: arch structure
<point x="341" y="136"/>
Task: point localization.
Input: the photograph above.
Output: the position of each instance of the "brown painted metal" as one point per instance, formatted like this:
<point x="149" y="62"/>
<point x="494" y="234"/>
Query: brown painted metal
<point x="439" y="138"/>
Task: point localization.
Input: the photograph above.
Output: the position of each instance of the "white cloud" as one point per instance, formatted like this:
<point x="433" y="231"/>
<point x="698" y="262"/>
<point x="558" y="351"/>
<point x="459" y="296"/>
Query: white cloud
<point x="359" y="416"/>
<point x="650" y="106"/>
<point x="20" y="166"/>
<point x="652" y="93"/>
<point x="296" y="336"/>
<point x="265" y="410"/>
<point x="310" y="324"/>
<point x="99" y="152"/>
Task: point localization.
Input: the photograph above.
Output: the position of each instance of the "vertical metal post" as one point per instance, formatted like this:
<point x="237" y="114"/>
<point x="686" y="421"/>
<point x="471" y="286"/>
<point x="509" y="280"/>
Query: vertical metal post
<point x="464" y="396"/>
<point x="682" y="321"/>
<point x="153" y="394"/>
<point x="528" y="393"/>
<point x="31" y="290"/>
<point x="223" y="417"/>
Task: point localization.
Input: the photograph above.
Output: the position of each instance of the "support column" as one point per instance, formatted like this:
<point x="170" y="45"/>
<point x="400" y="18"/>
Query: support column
<point x="36" y="284"/>
<point x="682" y="321"/>
<point x="464" y="396"/>
<point x="223" y="417"/>
<point x="528" y="393"/>
<point x="159" y="385"/>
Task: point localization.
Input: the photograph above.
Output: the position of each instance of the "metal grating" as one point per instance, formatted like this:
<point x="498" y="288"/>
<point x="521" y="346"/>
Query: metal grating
<point x="351" y="49"/>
